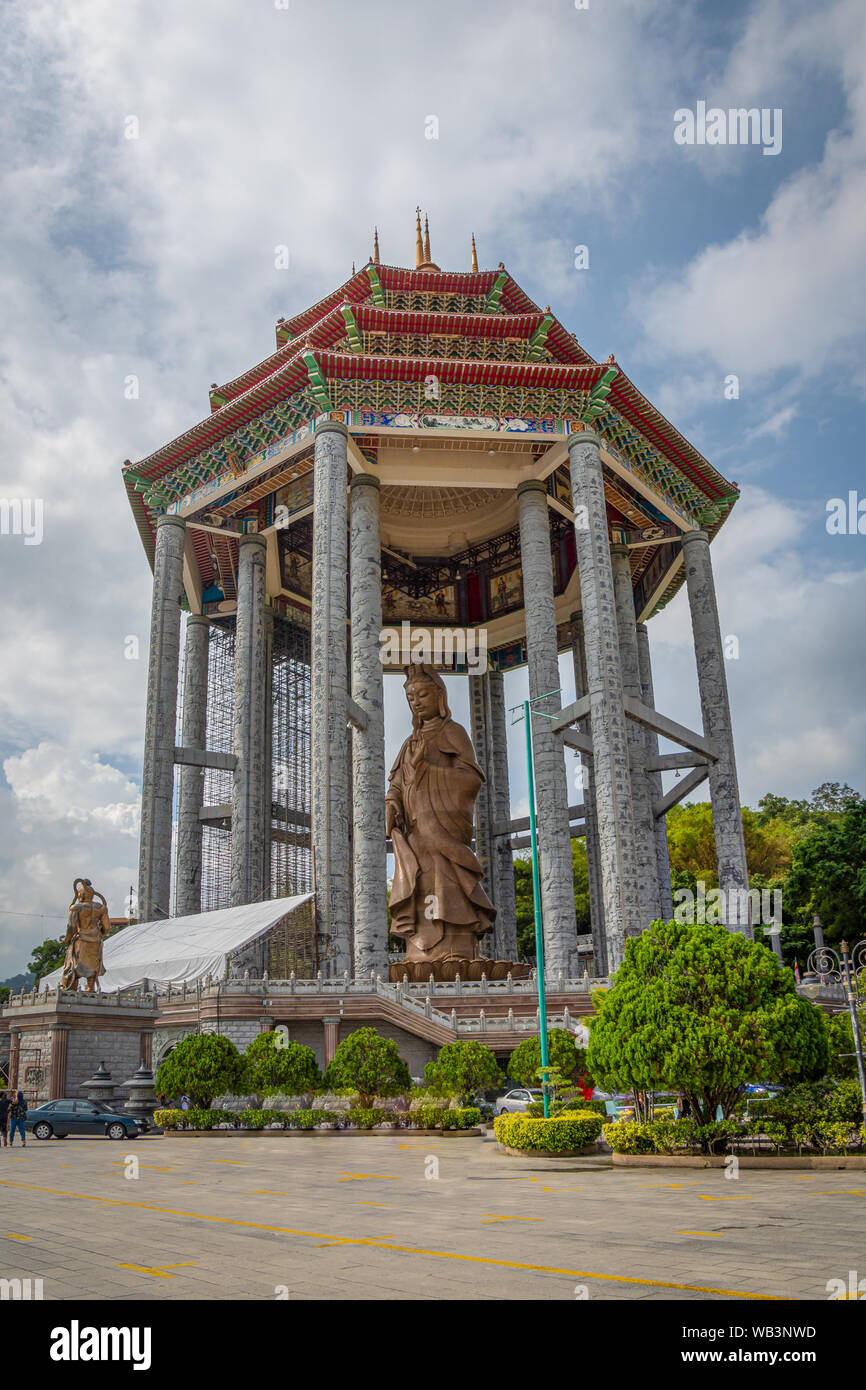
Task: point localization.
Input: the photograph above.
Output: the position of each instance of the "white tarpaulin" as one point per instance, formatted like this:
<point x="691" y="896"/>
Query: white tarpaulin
<point x="184" y="949"/>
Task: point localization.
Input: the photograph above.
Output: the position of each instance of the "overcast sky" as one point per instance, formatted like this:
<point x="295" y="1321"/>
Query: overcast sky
<point x="259" y="126"/>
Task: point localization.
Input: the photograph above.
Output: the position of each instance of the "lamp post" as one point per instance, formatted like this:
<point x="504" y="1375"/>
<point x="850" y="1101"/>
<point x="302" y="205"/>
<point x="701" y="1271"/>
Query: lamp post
<point x="828" y="966"/>
<point x="525" y="712"/>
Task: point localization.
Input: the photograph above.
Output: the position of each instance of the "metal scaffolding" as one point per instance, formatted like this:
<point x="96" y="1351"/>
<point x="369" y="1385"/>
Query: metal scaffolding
<point x="217" y="834"/>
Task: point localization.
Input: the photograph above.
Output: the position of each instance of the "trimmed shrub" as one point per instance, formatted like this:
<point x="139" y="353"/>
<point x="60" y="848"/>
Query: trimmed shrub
<point x="291" y="1067"/>
<point x="467" y="1117"/>
<point x="310" y="1119"/>
<point x="463" y="1068"/>
<point x="575" y="1131"/>
<point x="628" y="1137"/>
<point x="203" y="1065"/>
<point x="168" y="1119"/>
<point x="427" y="1116"/>
<point x="364" y="1117"/>
<point x="369" y="1063"/>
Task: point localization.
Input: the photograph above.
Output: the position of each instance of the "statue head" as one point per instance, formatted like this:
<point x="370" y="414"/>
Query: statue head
<point x="83" y="890"/>
<point x="426" y="694"/>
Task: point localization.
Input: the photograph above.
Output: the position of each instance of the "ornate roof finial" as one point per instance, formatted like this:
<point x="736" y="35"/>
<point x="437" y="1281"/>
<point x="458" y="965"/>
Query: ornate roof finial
<point x="427" y="257"/>
<point x="354" y="272"/>
<point x="375" y="245"/>
<point x="419" y="249"/>
<point x="474" y="256"/>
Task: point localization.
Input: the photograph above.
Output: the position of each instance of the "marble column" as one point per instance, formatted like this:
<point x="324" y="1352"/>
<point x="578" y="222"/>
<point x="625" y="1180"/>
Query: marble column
<point x="713" y="685"/>
<point x="331" y="1028"/>
<point x="190" y="797"/>
<point x="642" y="811"/>
<point x="663" y="863"/>
<point x="622" y="915"/>
<point x="551" y="787"/>
<point x="484" y="811"/>
<point x="59" y="1051"/>
<point x="157" y="777"/>
<point x="370" y="887"/>
<point x="587" y="796"/>
<point x="14" y="1057"/>
<point x="330" y="744"/>
<point x="249" y="726"/>
<point x="505" y="931"/>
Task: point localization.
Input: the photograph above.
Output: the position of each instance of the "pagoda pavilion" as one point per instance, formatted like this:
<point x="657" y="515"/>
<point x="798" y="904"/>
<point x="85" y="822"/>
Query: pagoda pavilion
<point x="426" y="448"/>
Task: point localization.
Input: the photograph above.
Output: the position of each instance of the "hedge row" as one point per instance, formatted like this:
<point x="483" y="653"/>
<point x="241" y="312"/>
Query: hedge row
<point x="428" y="1118"/>
<point x="687" y="1136"/>
<point x="568" y="1131"/>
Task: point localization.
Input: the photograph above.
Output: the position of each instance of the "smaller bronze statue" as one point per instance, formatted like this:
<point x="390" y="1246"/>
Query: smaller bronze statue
<point x="86" y="929"/>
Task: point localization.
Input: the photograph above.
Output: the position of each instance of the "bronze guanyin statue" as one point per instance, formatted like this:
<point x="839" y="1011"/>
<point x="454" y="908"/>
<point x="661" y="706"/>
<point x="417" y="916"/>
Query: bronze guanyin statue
<point x="87" y="927"/>
<point x="437" y="902"/>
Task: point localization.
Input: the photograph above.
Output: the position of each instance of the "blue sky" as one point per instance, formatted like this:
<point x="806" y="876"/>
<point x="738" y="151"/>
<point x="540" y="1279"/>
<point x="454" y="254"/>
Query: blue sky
<point x="304" y="126"/>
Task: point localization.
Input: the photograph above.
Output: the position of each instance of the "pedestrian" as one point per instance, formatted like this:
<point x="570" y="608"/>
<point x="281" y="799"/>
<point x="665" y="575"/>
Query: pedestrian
<point x="184" y="1102"/>
<point x="5" y="1103"/>
<point x="17" y="1116"/>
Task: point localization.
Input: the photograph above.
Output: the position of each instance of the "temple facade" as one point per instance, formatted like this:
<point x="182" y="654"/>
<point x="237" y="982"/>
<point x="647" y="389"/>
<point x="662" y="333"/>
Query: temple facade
<point x="427" y="457"/>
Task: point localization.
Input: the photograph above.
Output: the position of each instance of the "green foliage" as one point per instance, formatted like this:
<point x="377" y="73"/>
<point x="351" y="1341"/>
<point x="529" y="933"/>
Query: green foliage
<point x="310" y="1119"/>
<point x="463" y="1069"/>
<point x="168" y="1119"/>
<point x="628" y="1137"/>
<point x="49" y="956"/>
<point x="425" y="1099"/>
<point x="828" y="874"/>
<point x="525" y="1061"/>
<point x="703" y="1011"/>
<point x="370" y="1064"/>
<point x="467" y="1117"/>
<point x="364" y="1118"/>
<point x="524" y="899"/>
<point x="288" y="1067"/>
<point x="670" y="1136"/>
<point x="427" y="1116"/>
<point x="194" y="1118"/>
<point x="575" y="1131"/>
<point x="203" y="1065"/>
<point x="843" y="1062"/>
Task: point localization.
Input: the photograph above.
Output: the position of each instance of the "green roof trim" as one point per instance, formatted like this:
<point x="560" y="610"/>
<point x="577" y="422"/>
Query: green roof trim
<point x="494" y="295"/>
<point x="598" y="395"/>
<point x="318" y="384"/>
<point x="378" y="294"/>
<point x="539" y="338"/>
<point x="352" y="329"/>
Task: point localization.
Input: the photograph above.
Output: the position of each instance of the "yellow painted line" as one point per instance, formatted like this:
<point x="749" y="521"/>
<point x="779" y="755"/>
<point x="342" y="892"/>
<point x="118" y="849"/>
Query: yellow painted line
<point x="418" y="1148"/>
<point x="841" y="1192"/>
<point x="677" y="1185"/>
<point x="13" y="1235"/>
<point x="356" y="1177"/>
<point x="268" y="1192"/>
<point x="121" y="1163"/>
<point x="360" y="1204"/>
<point x="235" y="1162"/>
<point x="407" y="1249"/>
<point x="489" y="1220"/>
<point x="716" y="1234"/>
<point x="563" y="1189"/>
<point x="159" y="1272"/>
<point x="702" y="1196"/>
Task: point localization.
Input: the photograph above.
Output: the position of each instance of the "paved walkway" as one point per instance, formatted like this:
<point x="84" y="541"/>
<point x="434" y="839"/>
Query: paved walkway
<point x="367" y="1218"/>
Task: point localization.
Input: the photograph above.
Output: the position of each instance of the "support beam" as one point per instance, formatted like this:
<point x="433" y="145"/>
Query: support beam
<point x="669" y="728"/>
<point x="604" y="681"/>
<point x="187" y="888"/>
<point x="672" y="762"/>
<point x="522" y="822"/>
<point x="249" y="727"/>
<point x="366" y="713"/>
<point x="709" y="655"/>
<point x="581" y="743"/>
<point x="329" y="735"/>
<point x="203" y="757"/>
<point x="554" y="842"/>
<point x="681" y="790"/>
<point x="572" y="714"/>
<point x="157" y="778"/>
<point x="663" y="862"/>
<point x="642" y="814"/>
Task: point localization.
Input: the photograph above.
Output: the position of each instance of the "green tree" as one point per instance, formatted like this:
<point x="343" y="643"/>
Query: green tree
<point x="463" y="1069"/>
<point x="843" y="1062"/>
<point x="828" y="874"/>
<point x="370" y="1065"/>
<point x="702" y="1010"/>
<point x="47" y="957"/>
<point x="203" y="1065"/>
<point x="525" y="903"/>
<point x="271" y="1062"/>
<point x="562" y="1053"/>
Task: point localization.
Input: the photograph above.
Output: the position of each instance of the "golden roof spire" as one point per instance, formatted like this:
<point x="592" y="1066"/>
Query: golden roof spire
<point x="375" y="245"/>
<point x="353" y="268"/>
<point x="419" y="249"/>
<point x="426" y="240"/>
<point x="474" y="256"/>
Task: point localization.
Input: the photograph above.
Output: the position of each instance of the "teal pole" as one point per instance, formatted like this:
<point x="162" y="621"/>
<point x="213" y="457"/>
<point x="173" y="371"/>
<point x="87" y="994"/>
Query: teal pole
<point x="536" y="897"/>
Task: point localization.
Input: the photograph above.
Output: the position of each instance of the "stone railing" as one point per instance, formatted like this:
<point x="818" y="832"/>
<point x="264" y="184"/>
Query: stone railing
<point x="137" y="998"/>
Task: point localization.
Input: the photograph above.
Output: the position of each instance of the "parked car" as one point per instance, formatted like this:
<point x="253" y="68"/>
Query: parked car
<point x="57" y="1118"/>
<point x="513" y="1102"/>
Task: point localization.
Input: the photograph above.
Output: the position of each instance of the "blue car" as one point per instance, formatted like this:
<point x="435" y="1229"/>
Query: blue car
<point x="57" y="1118"/>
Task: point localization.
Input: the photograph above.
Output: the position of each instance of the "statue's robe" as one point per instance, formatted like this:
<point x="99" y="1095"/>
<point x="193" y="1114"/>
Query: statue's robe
<point x="88" y="929"/>
<point x="434" y="784"/>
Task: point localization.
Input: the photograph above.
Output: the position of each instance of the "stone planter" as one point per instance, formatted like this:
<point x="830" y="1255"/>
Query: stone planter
<point x="591" y="1152"/>
<point x="770" y="1161"/>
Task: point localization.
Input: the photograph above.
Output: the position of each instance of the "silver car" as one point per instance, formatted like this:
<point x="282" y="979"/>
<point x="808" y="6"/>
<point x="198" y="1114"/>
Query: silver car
<point x="515" y="1101"/>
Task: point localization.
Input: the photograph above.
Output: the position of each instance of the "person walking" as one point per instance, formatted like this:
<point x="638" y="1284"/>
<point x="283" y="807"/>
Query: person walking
<point x="5" y="1103"/>
<point x="17" y="1116"/>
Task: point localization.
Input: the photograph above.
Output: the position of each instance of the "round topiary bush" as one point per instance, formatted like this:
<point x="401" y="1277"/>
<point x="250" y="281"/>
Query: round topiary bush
<point x="561" y="1135"/>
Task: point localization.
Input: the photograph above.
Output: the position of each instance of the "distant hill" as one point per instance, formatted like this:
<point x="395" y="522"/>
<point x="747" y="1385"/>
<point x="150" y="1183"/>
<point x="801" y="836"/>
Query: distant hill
<point x="16" y="982"/>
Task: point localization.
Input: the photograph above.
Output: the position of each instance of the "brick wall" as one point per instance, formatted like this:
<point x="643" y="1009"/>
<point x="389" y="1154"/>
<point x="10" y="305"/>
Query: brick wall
<point x="119" y="1050"/>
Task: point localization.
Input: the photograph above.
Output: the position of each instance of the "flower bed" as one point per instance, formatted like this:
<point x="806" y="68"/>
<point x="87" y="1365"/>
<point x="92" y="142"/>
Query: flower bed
<point x="566" y="1134"/>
